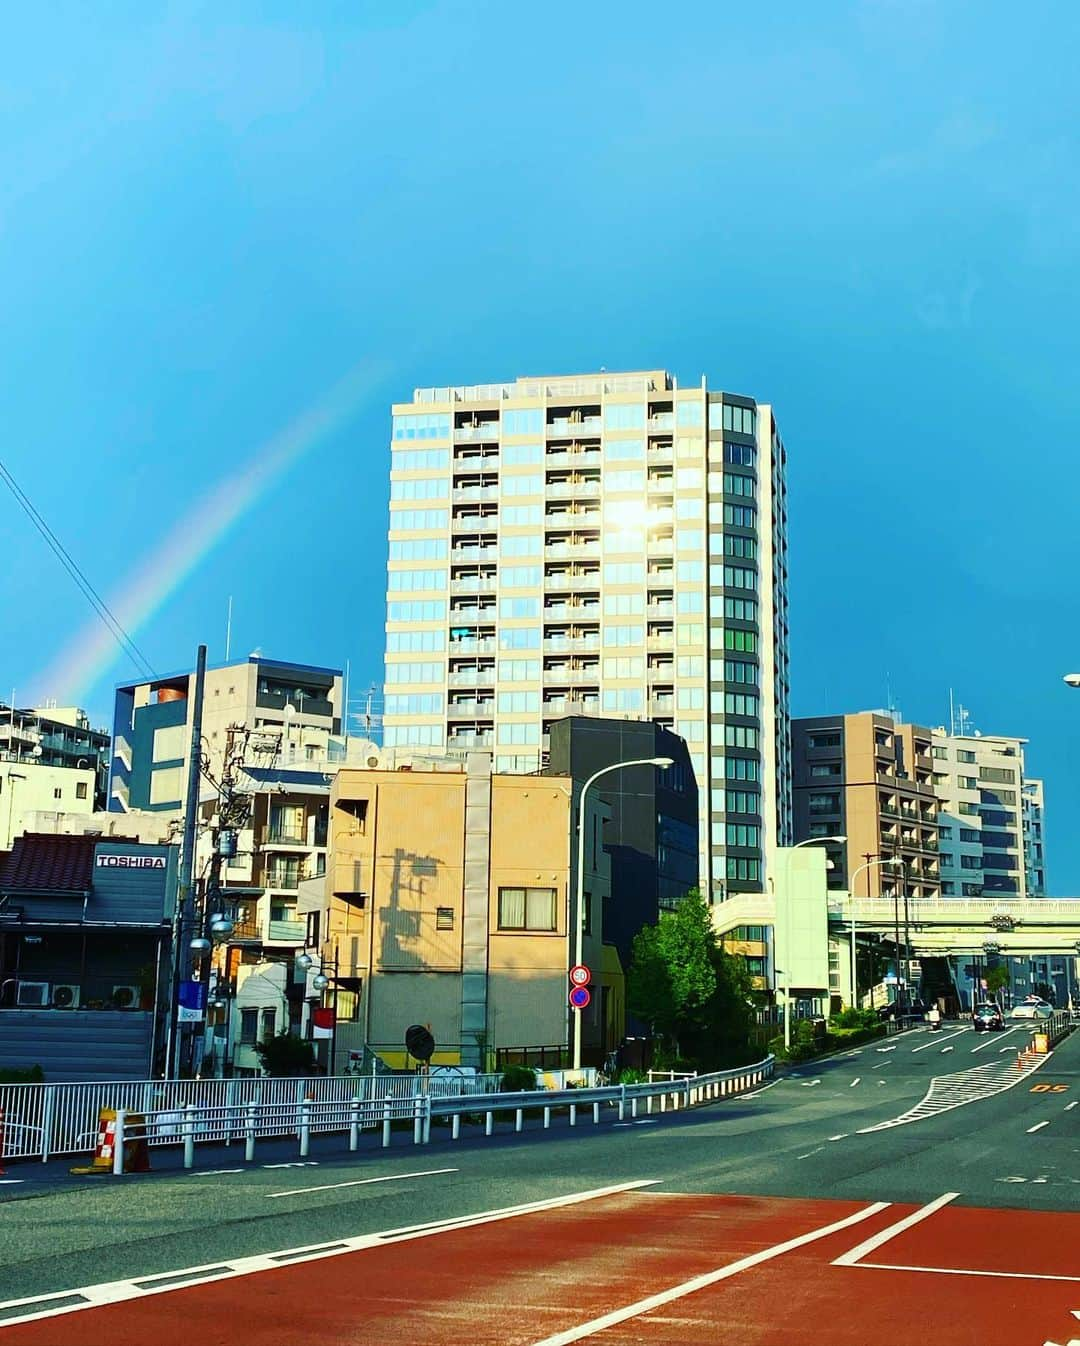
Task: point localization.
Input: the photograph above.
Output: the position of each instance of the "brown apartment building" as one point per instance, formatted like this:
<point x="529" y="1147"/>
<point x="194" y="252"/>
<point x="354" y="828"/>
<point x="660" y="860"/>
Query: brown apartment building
<point x="870" y="779"/>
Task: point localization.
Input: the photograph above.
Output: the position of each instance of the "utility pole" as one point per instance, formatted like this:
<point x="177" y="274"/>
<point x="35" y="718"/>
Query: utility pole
<point x="185" y="894"/>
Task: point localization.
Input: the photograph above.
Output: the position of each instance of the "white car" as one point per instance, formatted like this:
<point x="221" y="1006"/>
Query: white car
<point x="1031" y="1009"/>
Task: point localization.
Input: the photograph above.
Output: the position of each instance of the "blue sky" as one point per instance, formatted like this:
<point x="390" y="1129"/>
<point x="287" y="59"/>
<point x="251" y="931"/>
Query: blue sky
<point x="863" y="213"/>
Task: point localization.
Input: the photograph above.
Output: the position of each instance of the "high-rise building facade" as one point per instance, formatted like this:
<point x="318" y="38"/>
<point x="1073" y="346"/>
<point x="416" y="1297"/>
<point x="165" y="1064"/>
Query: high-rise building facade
<point x="606" y="544"/>
<point x="979" y="780"/>
<point x="1034" y="807"/>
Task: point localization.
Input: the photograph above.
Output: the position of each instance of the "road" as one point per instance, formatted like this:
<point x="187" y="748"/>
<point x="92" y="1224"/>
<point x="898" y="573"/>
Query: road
<point x="918" y="1188"/>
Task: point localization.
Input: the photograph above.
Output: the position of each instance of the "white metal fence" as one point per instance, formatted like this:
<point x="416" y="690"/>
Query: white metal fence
<point x="43" y="1120"/>
<point x="302" y="1117"/>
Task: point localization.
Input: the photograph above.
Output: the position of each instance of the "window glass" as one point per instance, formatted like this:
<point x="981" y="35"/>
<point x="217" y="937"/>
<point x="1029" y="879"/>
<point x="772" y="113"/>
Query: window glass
<point x="519" y="607"/>
<point x="420" y="460"/>
<point x="518" y="515"/>
<point x="414" y="642"/>
<point x="624" y="572"/>
<point x="624" y="449"/>
<point x="418" y="610"/>
<point x="522" y="455"/>
<point x="427" y="425"/>
<point x="522" y="421"/>
<point x="624" y="416"/>
<point x="422" y="488"/>
<point x="526" y="483"/>
<point x="521" y="577"/>
<point x="689" y="411"/>
<point x="416" y="579"/>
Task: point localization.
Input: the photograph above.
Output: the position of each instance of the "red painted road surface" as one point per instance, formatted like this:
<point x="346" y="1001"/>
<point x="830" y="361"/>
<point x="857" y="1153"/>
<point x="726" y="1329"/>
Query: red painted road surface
<point x="538" y="1276"/>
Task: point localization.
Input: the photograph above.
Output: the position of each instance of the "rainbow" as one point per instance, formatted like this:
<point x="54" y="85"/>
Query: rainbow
<point x="87" y="657"/>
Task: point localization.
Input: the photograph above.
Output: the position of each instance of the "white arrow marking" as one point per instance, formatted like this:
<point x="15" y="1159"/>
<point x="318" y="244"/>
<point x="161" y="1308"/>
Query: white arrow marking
<point x="854" y="1082"/>
<point x="1068" y="1108"/>
<point x="945" y="1049"/>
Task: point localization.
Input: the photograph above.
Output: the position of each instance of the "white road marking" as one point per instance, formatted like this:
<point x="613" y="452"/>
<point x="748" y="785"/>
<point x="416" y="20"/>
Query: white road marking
<point x="886" y="1049"/>
<point x="810" y="1152"/>
<point x="966" y="1086"/>
<point x="762" y="1089"/>
<point x="967" y="1271"/>
<point x="983" y="1045"/>
<point x="1069" y="1106"/>
<point x="11" y="1182"/>
<point x="934" y="1039"/>
<point x="1037" y="1127"/>
<point x="881" y="1065"/>
<point x="363" y="1182"/>
<point x="854" y="1082"/>
<point x="296" y="1163"/>
<point x="809" y="1084"/>
<point x="214" y="1172"/>
<point x="690" y="1287"/>
<point x="854" y="1255"/>
<point x="947" y="1049"/>
<point x="116" y="1292"/>
<point x="842" y="1136"/>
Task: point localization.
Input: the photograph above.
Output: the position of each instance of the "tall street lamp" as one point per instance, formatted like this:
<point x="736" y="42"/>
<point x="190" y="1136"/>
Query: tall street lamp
<point x="663" y="763"/>
<point x="867" y="865"/>
<point x="786" y="924"/>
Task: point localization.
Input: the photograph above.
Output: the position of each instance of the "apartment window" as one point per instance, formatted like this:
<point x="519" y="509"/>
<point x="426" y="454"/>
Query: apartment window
<point x="522" y="421"/>
<point x="415" y="642"/>
<point x="972" y="889"/>
<point x="528" y="544"/>
<point x="736" y="484"/>
<point x="413" y="735"/>
<point x="824" y="803"/>
<point x="737" y="545"/>
<point x="740" y="640"/>
<point x="527" y="909"/>
<point x="737" y="577"/>
<point x="623" y="635"/>
<point x="269" y="1023"/>
<point x="740" y="455"/>
<point x="948" y="890"/>
<point x="522" y="455"/>
<point x="417" y="610"/>
<point x="414" y="703"/>
<point x="739" y="867"/>
<point x="823" y="741"/>
<point x="521" y="638"/>
<point x="444" y="918"/>
<point x="625" y="479"/>
<point x="521" y="577"/>
<point x="971" y="862"/>
<point x="511" y="608"/>
<point x="743" y="834"/>
<point x="527" y="735"/>
<point x="424" y="488"/>
<point x="427" y="425"/>
<point x="518" y="703"/>
<point x="689" y="572"/>
<point x="825" y="769"/>
<point x="690" y="665"/>
<point x="741" y="609"/>
<point x="415" y="672"/>
<point x="969" y="834"/>
<point x="624" y="416"/>
<point x="997" y="774"/>
<point x="739" y="419"/>
<point x="740" y="703"/>
<point x="963" y="755"/>
<point x="57" y="792"/>
<point x="419" y="549"/>
<point x="624" y="699"/>
<point x="625" y="450"/>
<point x="80" y="789"/>
<point x="623" y="667"/>
<point x="624" y="605"/>
<point x="740" y="736"/>
<point x="691" y="698"/>
<point x="519" y="670"/>
<point x="689" y="413"/>
<point x="939" y="753"/>
<point x="740" y="670"/>
<point x="742" y="768"/>
<point x="967" y="782"/>
<point x="421" y="460"/>
<point x="624" y="572"/>
<point x="689" y="507"/>
<point x="405" y="520"/>
<point x="689" y="633"/>
<point x="249" y="1027"/>
<point x="528" y="483"/>
<point x="691" y="730"/>
<point x="520" y="515"/>
<point x="947" y="859"/>
<point x="743" y="801"/>
<point x="969" y="810"/>
<point x="690" y="539"/>
<point x="945" y="834"/>
<point x="740" y="516"/>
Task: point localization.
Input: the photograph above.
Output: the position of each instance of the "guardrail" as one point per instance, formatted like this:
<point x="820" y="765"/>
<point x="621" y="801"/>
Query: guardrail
<point x="1058" y="1025"/>
<point x="43" y="1120"/>
<point x="249" y="1123"/>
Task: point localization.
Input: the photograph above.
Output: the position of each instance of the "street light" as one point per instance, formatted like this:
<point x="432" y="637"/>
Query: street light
<point x="1072" y="679"/>
<point x="786" y="887"/>
<point x="869" y="864"/>
<point x="663" y="763"/>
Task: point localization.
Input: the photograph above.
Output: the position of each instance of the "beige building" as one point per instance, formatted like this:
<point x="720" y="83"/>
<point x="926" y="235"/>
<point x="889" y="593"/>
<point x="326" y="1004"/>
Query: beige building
<point x="870" y="779"/>
<point x="602" y="544"/>
<point x="447" y="905"/>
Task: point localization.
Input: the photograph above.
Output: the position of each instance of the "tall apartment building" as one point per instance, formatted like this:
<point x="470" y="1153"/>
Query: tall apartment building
<point x="604" y="544"/>
<point x="870" y="779"/>
<point x="979" y="779"/>
<point x="1034" y="809"/>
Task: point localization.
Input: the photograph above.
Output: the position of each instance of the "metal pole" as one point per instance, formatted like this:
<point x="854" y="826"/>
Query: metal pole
<point x="907" y="949"/>
<point x="187" y="863"/>
<point x="786" y="925"/>
<point x="896" y="931"/>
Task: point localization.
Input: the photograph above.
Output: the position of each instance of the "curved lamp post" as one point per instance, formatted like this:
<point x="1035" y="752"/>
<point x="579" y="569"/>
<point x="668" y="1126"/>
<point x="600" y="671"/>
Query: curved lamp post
<point x="663" y="763"/>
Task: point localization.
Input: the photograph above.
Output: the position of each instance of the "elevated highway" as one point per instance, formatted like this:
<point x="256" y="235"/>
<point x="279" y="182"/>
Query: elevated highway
<point x="939" y="926"/>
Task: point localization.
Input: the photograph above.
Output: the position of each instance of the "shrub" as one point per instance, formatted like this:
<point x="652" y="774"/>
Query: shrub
<point x="631" y="1076"/>
<point x="286" y="1054"/>
<point x="517" y="1080"/>
<point x="31" y="1075"/>
<point x="855" y="1018"/>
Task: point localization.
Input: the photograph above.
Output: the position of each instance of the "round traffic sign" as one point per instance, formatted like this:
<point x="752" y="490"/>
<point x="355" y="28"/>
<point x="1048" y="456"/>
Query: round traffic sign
<point x="580" y="997"/>
<point x="580" y="975"/>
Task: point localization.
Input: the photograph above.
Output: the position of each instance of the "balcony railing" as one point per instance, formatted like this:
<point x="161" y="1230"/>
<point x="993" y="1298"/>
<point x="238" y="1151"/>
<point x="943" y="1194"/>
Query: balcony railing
<point x="480" y="584"/>
<point x="277" y="837"/>
<point x="465" y="434"/>
<point x="284" y="880"/>
<point x="287" y="932"/>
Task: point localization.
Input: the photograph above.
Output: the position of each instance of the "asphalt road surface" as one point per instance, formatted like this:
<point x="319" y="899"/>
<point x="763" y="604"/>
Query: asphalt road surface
<point x="921" y="1188"/>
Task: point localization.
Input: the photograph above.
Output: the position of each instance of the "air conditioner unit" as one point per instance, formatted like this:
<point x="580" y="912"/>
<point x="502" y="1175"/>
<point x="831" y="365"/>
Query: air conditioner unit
<point x="65" y="996"/>
<point x="32" y="994"/>
<point x="125" y="997"/>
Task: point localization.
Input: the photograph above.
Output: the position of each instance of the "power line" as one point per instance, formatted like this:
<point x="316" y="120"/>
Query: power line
<point x="89" y="592"/>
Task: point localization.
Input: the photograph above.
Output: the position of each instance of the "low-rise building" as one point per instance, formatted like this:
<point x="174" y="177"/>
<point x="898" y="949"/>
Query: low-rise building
<point x="85" y="953"/>
<point x="57" y="736"/>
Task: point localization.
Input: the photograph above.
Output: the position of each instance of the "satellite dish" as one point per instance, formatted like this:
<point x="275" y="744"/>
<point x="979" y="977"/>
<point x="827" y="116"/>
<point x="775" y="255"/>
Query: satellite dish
<point x="419" y="1043"/>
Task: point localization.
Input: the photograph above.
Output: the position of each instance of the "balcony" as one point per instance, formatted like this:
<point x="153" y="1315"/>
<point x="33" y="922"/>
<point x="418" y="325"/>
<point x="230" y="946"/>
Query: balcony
<point x="469" y="434"/>
<point x="571" y="677"/>
<point x="567" y="550"/>
<point x="474" y="552"/>
<point x="589" y="580"/>
<point x="573" y="458"/>
<point x="470" y="710"/>
<point x="483" y="645"/>
<point x="465" y="494"/>
<point x="665" y="609"/>
<point x="287" y="932"/>
<point x="573" y="518"/>
<point x="587" y="428"/>
<point x="481" y="739"/>
<point x="283" y="880"/>
<point x="570" y="644"/>
<point x="472" y="678"/>
<point x="474" y="523"/>
<point x="558" y="490"/>
<point x="473" y="614"/>
<point x="480" y="584"/>
<point x="276" y="837"/>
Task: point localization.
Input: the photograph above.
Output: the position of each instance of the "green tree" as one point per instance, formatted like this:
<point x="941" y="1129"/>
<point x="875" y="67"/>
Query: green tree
<point x="286" y="1054"/>
<point x="997" y="978"/>
<point x="693" y="994"/>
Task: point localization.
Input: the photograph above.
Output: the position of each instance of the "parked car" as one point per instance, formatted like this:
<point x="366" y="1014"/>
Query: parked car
<point x="1031" y="1009"/>
<point x="987" y="1016"/>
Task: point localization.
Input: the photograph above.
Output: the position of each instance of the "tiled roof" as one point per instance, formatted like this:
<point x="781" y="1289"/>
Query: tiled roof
<point x="42" y="863"/>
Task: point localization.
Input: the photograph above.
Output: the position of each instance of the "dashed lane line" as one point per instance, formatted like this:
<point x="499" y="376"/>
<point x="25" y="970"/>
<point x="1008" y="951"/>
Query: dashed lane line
<point x="854" y="1082"/>
<point x="934" y="1040"/>
<point x="1069" y="1106"/>
<point x="1037" y="1127"/>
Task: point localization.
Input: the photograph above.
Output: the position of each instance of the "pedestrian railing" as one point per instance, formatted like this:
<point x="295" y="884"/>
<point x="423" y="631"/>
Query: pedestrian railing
<point x="39" y="1121"/>
<point x="248" y="1123"/>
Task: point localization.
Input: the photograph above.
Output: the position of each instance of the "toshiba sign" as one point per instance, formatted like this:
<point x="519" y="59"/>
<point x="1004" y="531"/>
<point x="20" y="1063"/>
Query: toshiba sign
<point x="131" y="862"/>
